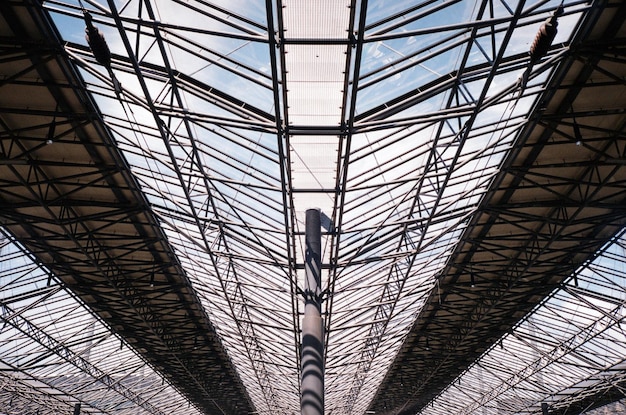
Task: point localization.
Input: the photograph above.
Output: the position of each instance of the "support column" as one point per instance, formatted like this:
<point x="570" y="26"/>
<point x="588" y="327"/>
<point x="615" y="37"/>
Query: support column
<point x="312" y="386"/>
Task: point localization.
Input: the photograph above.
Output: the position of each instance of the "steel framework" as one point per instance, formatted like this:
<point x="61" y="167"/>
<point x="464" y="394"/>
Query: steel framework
<point x="471" y="199"/>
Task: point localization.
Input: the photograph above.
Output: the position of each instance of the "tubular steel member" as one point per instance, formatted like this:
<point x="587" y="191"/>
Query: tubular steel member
<point x="312" y="387"/>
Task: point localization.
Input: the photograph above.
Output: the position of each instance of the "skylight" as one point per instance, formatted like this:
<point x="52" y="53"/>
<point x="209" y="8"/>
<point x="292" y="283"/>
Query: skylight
<point x="392" y="120"/>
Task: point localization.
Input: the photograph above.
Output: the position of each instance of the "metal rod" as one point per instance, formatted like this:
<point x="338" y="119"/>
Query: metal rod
<point x="312" y="387"/>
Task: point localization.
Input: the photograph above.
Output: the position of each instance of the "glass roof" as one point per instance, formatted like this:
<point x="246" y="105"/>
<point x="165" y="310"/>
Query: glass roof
<point x="55" y="353"/>
<point x="391" y="119"/>
<point x="572" y="344"/>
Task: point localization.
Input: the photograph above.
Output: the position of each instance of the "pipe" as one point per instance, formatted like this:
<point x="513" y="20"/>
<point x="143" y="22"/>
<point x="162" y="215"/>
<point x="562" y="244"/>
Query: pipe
<point x="312" y="384"/>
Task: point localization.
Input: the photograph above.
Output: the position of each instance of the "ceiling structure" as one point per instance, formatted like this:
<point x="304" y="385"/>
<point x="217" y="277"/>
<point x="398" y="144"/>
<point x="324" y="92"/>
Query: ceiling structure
<point x="471" y="186"/>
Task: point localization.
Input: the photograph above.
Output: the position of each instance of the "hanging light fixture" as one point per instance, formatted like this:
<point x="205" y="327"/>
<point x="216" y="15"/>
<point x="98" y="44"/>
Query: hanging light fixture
<point x="544" y="37"/>
<point x="100" y="49"/>
<point x="97" y="43"/>
<point x="541" y="44"/>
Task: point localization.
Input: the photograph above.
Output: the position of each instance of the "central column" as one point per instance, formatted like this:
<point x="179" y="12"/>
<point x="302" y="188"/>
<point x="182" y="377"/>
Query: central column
<point x="312" y="387"/>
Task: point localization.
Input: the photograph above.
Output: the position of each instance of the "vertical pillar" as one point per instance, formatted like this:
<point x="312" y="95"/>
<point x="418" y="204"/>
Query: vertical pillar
<point x="312" y="386"/>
